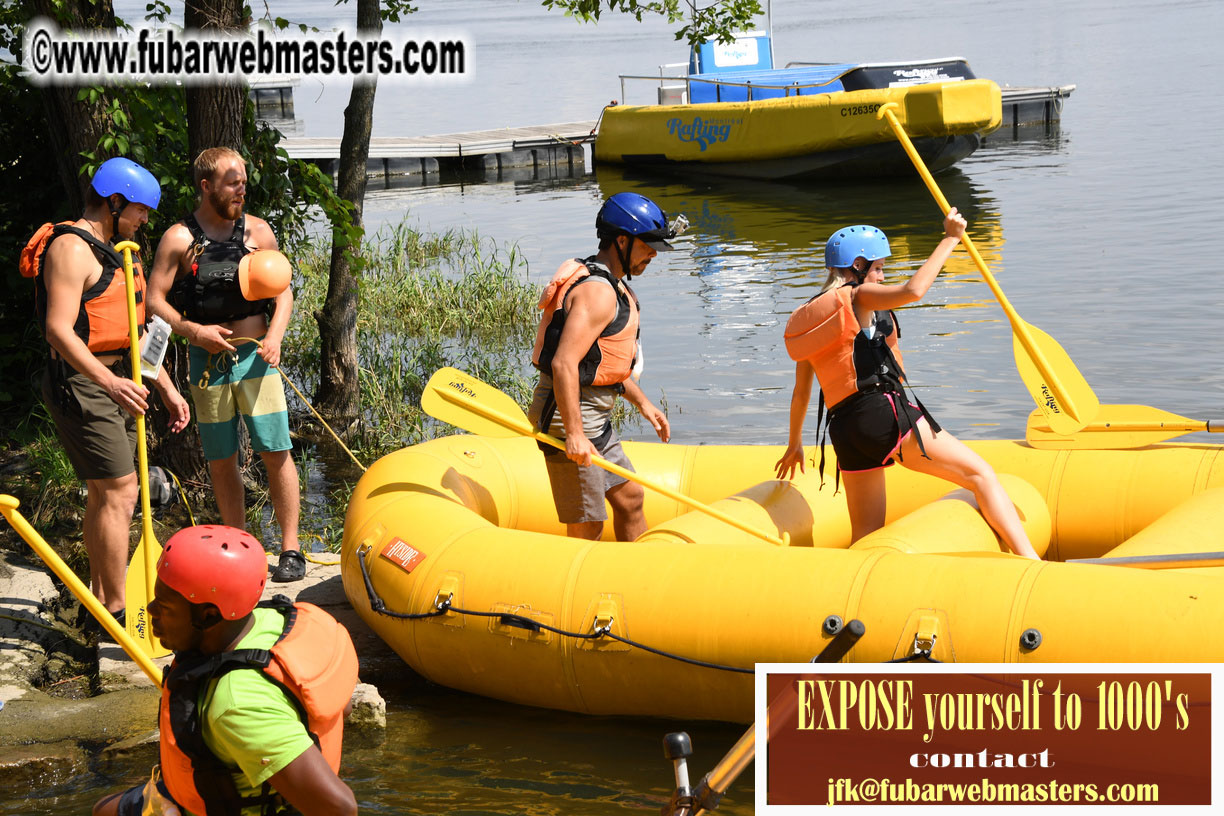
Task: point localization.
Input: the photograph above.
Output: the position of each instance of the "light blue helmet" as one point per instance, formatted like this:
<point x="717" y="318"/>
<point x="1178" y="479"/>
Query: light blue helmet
<point x="128" y="179"/>
<point x="860" y="241"/>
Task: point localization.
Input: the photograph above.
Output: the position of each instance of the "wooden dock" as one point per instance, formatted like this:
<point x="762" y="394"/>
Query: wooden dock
<point x="539" y="146"/>
<point x="448" y="145"/>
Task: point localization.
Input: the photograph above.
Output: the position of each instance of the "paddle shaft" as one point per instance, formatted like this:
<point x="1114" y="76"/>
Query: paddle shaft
<point x="142" y="448"/>
<point x="782" y="715"/>
<point x="1174" y="428"/>
<point x="507" y="422"/>
<point x="1019" y="327"/>
<point x="1118" y="427"/>
<point x="8" y="506"/>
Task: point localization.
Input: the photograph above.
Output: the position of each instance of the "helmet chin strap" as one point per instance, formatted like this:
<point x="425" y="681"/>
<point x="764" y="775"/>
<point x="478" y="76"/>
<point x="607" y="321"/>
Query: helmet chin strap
<point x="115" y="210"/>
<point x="624" y="257"/>
<point x="860" y="274"/>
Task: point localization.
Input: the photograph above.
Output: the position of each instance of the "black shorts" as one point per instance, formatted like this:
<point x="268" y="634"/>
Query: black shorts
<point x="868" y="428"/>
<point x="131" y="803"/>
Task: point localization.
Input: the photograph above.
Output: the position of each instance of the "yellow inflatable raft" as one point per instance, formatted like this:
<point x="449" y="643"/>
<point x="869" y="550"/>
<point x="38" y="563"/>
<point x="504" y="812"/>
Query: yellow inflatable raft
<point x="453" y="555"/>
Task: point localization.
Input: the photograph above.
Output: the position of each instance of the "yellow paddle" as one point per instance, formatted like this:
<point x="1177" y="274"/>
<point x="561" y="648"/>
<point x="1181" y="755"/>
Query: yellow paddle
<point x="1118" y="427"/>
<point x="142" y="569"/>
<point x="8" y="507"/>
<point x="1060" y="391"/>
<point x="466" y="402"/>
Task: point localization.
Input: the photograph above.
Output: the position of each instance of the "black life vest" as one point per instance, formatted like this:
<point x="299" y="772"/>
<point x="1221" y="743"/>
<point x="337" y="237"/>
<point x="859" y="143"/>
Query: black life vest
<point x="209" y="292"/>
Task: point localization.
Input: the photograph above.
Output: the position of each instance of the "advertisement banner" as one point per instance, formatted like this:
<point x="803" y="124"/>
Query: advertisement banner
<point x="984" y="735"/>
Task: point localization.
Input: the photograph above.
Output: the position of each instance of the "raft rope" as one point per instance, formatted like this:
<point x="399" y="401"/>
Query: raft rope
<point x="296" y="390"/>
<point x="204" y="381"/>
<point x="445" y="605"/>
<point x="916" y="656"/>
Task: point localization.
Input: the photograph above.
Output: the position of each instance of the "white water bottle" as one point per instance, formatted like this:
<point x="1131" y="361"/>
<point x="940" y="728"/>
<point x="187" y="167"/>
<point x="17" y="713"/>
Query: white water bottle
<point x="153" y="347"/>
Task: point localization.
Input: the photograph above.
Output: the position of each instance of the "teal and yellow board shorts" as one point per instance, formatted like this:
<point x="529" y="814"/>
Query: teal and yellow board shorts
<point x="224" y="386"/>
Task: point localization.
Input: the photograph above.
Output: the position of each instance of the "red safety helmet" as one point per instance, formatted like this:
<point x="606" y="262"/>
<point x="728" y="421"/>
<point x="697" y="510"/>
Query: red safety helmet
<point x="215" y="564"/>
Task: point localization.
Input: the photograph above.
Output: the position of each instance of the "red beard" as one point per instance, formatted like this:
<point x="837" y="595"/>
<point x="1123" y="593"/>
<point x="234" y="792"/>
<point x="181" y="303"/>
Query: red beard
<point x="229" y="209"/>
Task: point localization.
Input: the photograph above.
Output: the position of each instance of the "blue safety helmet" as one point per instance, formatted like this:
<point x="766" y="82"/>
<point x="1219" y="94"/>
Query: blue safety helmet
<point x="128" y="179"/>
<point x="637" y="216"/>
<point x="848" y="243"/>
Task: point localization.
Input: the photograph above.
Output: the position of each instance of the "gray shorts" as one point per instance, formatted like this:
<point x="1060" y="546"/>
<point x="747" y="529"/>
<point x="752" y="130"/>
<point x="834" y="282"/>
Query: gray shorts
<point x="98" y="436"/>
<point x="579" y="491"/>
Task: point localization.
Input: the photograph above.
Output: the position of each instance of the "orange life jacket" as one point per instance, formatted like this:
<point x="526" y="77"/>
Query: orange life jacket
<point x="102" y="320"/>
<point x="313" y="662"/>
<point x="610" y="359"/>
<point x="825" y="332"/>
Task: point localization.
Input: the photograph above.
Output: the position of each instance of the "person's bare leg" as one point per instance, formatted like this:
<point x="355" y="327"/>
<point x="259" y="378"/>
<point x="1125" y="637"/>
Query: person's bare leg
<point x="866" y="500"/>
<point x="285" y="489"/>
<point x="228" y="491"/>
<point x="954" y="461"/>
<point x="628" y="520"/>
<point x="108" y="521"/>
<point x="590" y="530"/>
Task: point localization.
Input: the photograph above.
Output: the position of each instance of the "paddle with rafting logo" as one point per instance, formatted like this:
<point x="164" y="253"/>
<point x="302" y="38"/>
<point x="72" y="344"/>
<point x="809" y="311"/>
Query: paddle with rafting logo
<point x="460" y="399"/>
<point x="1062" y="394"/>
<point x="142" y="569"/>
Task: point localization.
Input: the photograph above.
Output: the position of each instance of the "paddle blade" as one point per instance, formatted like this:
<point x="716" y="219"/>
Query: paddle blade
<point x="1070" y="404"/>
<point x="144" y="560"/>
<point x="1116" y="427"/>
<point x="460" y="399"/>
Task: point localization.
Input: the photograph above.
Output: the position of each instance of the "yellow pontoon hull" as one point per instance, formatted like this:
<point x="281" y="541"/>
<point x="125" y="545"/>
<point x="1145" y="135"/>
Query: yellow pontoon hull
<point x="800" y="135"/>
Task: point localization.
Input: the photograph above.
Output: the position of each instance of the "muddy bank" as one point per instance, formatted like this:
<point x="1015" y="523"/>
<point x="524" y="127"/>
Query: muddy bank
<point x="68" y="702"/>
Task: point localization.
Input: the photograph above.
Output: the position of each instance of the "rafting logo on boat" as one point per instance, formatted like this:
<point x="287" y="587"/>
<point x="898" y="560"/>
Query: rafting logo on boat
<point x="704" y="132"/>
<point x="403" y="555"/>
<point x="917" y="76"/>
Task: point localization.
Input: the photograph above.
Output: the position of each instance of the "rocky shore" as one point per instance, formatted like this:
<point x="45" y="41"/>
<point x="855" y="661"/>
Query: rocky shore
<point x="65" y="700"/>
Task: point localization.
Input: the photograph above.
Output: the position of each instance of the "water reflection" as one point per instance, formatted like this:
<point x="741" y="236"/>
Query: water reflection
<point x="755" y="251"/>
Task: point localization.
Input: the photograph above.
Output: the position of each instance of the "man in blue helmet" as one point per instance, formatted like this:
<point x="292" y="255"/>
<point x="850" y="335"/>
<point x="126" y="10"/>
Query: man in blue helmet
<point x="587" y="352"/>
<point x="81" y="302"/>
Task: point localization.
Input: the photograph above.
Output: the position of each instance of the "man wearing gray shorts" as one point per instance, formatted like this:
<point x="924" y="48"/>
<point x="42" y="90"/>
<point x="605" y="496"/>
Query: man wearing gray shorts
<point x="81" y="302"/>
<point x="587" y="350"/>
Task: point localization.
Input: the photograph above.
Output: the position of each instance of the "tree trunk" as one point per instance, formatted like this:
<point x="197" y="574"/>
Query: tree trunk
<point x="214" y="112"/>
<point x="74" y="126"/>
<point x="338" y="396"/>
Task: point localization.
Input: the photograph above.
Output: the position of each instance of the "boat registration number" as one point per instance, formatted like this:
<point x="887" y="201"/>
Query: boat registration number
<point x="859" y="110"/>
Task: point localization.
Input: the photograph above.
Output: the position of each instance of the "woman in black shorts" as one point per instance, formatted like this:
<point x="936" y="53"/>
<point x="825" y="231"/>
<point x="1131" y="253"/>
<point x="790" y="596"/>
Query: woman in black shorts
<point x="846" y="338"/>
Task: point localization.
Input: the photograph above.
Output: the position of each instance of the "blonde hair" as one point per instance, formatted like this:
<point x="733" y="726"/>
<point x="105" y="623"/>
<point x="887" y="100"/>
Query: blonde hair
<point x="835" y="280"/>
<point x="207" y="162"/>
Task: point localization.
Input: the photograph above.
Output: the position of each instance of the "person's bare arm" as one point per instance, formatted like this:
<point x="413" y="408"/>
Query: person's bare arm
<point x="880" y="296"/>
<point x="171" y="249"/>
<point x="801" y="397"/>
<point x="591" y="308"/>
<point x="69" y="263"/>
<point x="649" y="411"/>
<point x="260" y="236"/>
<point x="309" y="784"/>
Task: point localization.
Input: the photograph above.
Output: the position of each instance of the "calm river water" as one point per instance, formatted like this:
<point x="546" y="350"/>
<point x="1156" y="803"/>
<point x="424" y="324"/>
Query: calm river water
<point x="1104" y="234"/>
